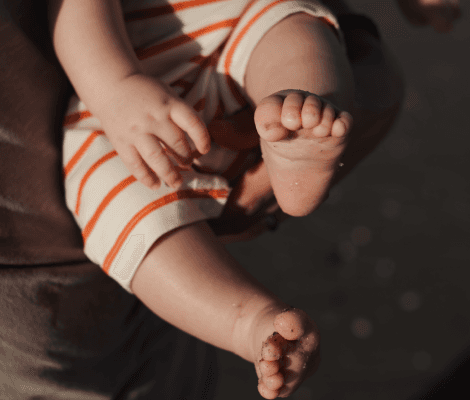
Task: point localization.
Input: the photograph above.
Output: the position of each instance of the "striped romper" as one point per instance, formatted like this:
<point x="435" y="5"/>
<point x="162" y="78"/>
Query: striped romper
<point x="201" y="49"/>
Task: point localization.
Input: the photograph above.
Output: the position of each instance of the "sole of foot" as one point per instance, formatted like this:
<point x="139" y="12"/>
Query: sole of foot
<point x="302" y="137"/>
<point x="289" y="355"/>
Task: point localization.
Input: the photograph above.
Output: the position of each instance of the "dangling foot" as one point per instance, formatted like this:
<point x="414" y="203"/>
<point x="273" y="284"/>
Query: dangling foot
<point x="302" y="138"/>
<point x="287" y="356"/>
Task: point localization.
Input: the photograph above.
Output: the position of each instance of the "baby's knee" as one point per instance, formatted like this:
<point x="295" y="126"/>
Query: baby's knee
<point x="300" y="51"/>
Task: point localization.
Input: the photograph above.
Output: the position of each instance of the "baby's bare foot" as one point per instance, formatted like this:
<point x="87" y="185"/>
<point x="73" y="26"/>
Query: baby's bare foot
<point x="287" y="356"/>
<point x="302" y="138"/>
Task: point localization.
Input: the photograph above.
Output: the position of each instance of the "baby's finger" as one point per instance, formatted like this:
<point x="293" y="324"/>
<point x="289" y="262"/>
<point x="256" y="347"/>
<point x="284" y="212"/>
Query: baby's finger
<point x="175" y="141"/>
<point x="137" y="167"/>
<point x="153" y="154"/>
<point x="186" y="118"/>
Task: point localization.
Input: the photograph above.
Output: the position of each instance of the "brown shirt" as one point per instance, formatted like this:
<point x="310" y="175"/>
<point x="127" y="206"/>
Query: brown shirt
<point x="67" y="330"/>
<point x="35" y="225"/>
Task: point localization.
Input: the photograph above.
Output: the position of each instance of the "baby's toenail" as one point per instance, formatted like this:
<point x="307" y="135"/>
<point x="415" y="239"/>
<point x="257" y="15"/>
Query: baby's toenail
<point x="273" y="125"/>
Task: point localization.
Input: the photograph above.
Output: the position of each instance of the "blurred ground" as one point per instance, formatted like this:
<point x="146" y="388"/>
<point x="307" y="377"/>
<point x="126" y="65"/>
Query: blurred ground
<point x="383" y="265"/>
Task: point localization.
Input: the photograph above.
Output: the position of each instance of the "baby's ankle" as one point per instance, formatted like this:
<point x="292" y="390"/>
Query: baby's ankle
<point x="255" y="323"/>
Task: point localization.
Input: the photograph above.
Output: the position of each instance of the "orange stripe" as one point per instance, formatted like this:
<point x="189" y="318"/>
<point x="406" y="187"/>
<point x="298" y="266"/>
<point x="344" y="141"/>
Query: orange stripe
<point x="110" y="196"/>
<point x="183" y="194"/>
<point x="84" y="147"/>
<point x="163" y="10"/>
<point x="229" y="57"/>
<point x="88" y="174"/>
<point x="75" y="117"/>
<point x="143" y="53"/>
<point x="331" y="25"/>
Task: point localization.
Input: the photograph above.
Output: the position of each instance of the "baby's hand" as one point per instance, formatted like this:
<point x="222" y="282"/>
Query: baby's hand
<point x="440" y="14"/>
<point x="140" y="114"/>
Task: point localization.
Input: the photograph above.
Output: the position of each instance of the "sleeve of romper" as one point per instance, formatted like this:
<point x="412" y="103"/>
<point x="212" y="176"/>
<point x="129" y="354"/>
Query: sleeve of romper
<point x="256" y="20"/>
<point x="119" y="217"/>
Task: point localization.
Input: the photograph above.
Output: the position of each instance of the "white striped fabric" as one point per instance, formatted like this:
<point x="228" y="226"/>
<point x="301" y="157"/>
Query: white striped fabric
<point x="200" y="48"/>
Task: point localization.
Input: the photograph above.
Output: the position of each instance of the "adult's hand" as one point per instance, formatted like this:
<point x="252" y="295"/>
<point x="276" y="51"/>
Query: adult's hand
<point x="440" y="14"/>
<point x="251" y="208"/>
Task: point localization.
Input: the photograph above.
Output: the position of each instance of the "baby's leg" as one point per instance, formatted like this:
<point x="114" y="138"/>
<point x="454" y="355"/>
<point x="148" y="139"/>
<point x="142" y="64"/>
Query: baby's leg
<point x="190" y="280"/>
<point x="304" y="129"/>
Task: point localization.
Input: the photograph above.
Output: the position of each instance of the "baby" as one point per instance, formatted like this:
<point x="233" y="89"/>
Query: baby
<point x="150" y="92"/>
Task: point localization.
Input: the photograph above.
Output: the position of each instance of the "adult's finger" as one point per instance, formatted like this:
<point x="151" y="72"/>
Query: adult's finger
<point x="251" y="192"/>
<point x="236" y="132"/>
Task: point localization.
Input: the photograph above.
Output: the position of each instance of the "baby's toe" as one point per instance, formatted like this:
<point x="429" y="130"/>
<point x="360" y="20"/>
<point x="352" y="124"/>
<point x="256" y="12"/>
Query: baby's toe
<point x="327" y="119"/>
<point x="342" y="125"/>
<point x="274" y="382"/>
<point x="291" y="324"/>
<point x="266" y="392"/>
<point x="311" y="112"/>
<point x="273" y="347"/>
<point x="268" y="119"/>
<point x="268" y="368"/>
<point x="291" y="111"/>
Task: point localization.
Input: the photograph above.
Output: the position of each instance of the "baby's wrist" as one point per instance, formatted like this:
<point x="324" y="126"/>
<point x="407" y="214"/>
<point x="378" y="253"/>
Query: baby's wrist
<point x="107" y="104"/>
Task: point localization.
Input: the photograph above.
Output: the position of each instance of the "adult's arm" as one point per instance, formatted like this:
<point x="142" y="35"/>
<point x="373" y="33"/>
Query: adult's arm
<point x="35" y="225"/>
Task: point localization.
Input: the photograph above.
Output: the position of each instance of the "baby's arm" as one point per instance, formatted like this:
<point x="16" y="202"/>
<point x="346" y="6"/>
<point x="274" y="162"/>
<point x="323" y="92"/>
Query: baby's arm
<point x="93" y="47"/>
<point x="138" y="112"/>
